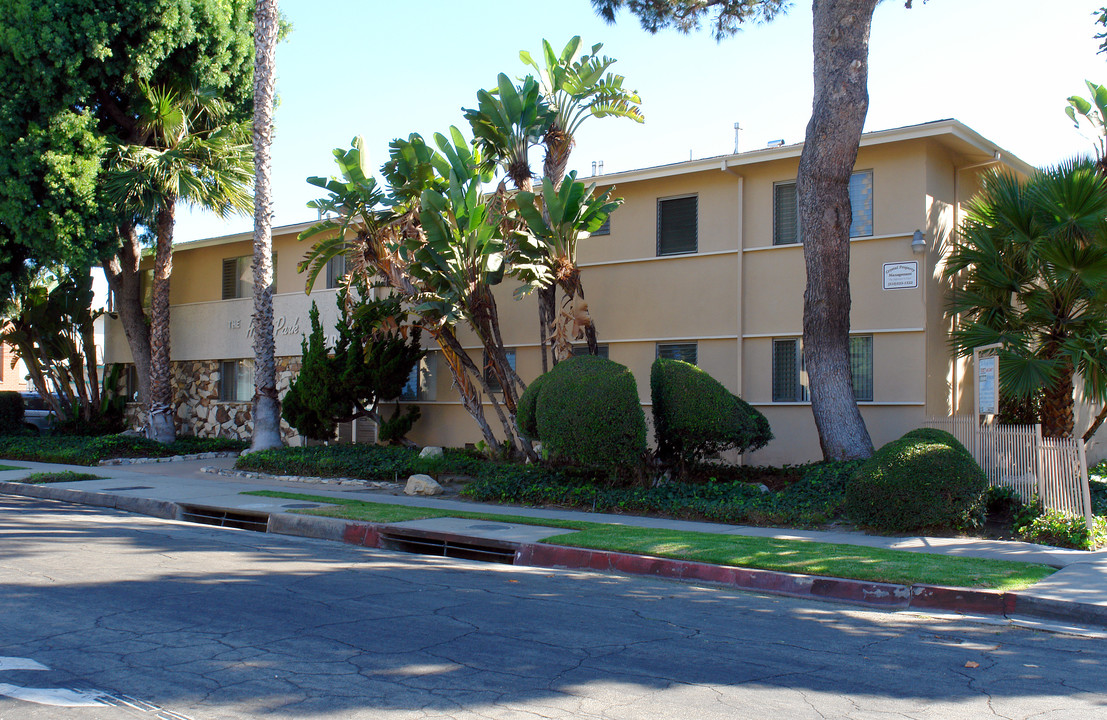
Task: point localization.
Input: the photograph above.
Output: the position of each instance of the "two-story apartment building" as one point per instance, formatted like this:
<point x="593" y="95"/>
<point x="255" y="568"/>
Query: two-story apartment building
<point x="703" y="262"/>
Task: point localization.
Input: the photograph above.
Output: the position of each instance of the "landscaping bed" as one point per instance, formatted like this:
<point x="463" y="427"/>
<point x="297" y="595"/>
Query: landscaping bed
<point x="86" y="450"/>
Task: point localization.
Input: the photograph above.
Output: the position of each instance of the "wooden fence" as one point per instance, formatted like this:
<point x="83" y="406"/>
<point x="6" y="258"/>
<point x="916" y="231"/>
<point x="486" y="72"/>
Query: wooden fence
<point x="1018" y="457"/>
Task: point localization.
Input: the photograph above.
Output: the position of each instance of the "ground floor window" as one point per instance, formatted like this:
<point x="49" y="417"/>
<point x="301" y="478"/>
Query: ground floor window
<point x="421" y="381"/>
<point x="790" y="376"/>
<point x="490" y="377"/>
<point x="687" y="352"/>
<point x="236" y="380"/>
<point x="601" y="350"/>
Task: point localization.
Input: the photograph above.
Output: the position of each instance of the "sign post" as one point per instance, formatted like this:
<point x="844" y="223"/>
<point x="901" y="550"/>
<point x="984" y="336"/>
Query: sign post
<point x="985" y="389"/>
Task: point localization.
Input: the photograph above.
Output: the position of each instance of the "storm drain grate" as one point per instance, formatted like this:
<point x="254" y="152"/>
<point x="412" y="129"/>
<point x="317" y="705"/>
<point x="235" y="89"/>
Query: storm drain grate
<point x="258" y="522"/>
<point x="440" y="547"/>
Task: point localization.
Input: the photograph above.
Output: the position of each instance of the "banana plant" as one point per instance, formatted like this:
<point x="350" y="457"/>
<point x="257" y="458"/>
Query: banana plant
<point x="507" y="123"/>
<point x="558" y="219"/>
<point x="1095" y="113"/>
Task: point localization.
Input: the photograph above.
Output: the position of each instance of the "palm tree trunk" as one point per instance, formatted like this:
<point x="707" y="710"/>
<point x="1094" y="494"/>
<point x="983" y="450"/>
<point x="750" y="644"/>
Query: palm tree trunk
<point x="841" y="42"/>
<point x="125" y="280"/>
<point x="1058" y="418"/>
<point x="162" y="427"/>
<point x="267" y="406"/>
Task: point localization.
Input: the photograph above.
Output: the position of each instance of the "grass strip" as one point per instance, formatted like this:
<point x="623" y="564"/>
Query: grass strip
<point x="10" y="467"/>
<point x="811" y="558"/>
<point x="796" y="556"/>
<point x="389" y="513"/>
<point x="59" y="477"/>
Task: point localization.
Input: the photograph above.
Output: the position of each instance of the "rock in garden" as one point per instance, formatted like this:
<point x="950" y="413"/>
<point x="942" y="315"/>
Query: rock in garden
<point x="422" y="485"/>
<point x="430" y="452"/>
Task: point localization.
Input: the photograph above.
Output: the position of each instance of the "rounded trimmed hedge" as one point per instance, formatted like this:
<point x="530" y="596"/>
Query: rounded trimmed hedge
<point x="936" y="435"/>
<point x="914" y="483"/>
<point x="695" y="416"/>
<point x="586" y="410"/>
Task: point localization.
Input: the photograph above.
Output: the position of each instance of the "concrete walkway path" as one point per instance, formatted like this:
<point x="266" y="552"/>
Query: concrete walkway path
<point x="1080" y="583"/>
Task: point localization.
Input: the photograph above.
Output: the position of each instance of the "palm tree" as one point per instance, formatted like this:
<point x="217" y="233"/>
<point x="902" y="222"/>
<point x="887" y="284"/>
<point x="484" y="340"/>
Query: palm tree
<point x="189" y="153"/>
<point x="267" y="406"/>
<point x="1030" y="273"/>
<point x="575" y="88"/>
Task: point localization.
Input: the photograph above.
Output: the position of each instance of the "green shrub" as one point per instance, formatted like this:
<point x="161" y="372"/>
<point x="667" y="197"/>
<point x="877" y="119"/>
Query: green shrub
<point x="85" y="450"/>
<point x="914" y="483"/>
<point x="936" y="435"/>
<point x="695" y="416"/>
<point x="1052" y="527"/>
<point x="11" y="413"/>
<point x="820" y="495"/>
<point x="525" y="413"/>
<point x="586" y="411"/>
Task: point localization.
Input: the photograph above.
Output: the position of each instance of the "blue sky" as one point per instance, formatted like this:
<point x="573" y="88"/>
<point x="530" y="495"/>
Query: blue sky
<point x="384" y="70"/>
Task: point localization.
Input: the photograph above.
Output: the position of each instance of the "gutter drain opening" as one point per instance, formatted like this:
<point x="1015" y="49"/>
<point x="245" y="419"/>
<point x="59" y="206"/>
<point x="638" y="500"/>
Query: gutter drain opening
<point x="448" y="548"/>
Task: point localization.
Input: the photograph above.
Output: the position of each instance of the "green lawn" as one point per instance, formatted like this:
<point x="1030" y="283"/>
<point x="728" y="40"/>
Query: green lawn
<point x="10" y="467"/>
<point x="797" y="556"/>
<point x="59" y="477"/>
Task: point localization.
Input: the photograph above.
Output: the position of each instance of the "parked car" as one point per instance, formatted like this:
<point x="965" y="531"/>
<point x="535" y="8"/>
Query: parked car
<point x="37" y="413"/>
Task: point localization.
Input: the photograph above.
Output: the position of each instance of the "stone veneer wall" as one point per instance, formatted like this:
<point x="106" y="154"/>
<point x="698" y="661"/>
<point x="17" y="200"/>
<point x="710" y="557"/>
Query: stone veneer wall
<point x="200" y="412"/>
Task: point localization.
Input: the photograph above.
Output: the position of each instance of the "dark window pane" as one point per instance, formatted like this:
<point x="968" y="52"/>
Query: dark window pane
<point x="685" y="352"/>
<point x="579" y="350"/>
<point x="604" y="229"/>
<point x="785" y="214"/>
<point x="676" y="226"/>
<point x="786" y="375"/>
<point x="490" y="377"/>
<point x="861" y="367"/>
<point x="861" y="204"/>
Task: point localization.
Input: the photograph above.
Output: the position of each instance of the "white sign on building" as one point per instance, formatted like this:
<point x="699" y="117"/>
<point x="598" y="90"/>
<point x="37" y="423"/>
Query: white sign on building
<point x="901" y="275"/>
<point x="987" y="379"/>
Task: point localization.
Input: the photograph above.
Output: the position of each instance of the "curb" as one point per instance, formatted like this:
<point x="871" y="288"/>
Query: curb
<point x="164" y="509"/>
<point x="875" y="595"/>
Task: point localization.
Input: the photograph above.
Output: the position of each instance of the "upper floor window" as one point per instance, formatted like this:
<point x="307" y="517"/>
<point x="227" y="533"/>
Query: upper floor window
<point x="238" y="276"/>
<point x="336" y="271"/>
<point x="604" y="229"/>
<point x="686" y="352"/>
<point x="676" y="225"/>
<point x="790" y="375"/>
<point x="786" y="225"/>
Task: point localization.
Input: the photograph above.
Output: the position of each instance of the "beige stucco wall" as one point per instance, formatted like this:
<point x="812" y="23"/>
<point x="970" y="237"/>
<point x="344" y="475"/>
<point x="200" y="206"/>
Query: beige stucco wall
<point x="732" y="297"/>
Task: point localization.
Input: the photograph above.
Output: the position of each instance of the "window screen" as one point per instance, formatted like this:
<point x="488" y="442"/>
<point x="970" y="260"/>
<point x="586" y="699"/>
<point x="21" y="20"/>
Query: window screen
<point x="685" y="352"/>
<point x="861" y="204"/>
<point x="579" y="350"/>
<point x="861" y="366"/>
<point x="676" y="225"/>
<point x="785" y="214"/>
<point x="786" y="371"/>
<point x="490" y="377"/>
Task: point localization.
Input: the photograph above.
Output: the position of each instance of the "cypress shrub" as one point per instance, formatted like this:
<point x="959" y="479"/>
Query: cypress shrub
<point x="915" y="483"/>
<point x="586" y="410"/>
<point x="11" y="413"/>
<point x="695" y="416"/>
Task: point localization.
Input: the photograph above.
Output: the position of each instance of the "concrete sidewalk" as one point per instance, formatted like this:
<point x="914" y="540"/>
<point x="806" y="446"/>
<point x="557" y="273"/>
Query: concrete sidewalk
<point x="1076" y="593"/>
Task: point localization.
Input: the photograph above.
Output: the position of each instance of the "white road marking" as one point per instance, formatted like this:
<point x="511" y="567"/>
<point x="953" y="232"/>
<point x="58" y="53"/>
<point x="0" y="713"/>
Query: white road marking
<point x="57" y="697"/>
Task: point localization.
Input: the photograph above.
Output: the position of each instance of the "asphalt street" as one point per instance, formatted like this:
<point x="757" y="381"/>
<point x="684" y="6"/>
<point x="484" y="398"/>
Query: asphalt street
<point x="110" y="615"/>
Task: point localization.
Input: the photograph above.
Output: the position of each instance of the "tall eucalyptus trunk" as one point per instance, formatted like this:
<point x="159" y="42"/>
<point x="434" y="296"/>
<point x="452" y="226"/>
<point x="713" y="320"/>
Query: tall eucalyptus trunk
<point x="267" y="406"/>
<point x="841" y="43"/>
<point x="161" y="426"/>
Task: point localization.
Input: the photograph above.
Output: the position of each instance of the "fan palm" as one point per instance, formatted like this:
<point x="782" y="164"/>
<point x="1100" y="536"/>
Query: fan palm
<point x="191" y="153"/>
<point x="1030" y="273"/>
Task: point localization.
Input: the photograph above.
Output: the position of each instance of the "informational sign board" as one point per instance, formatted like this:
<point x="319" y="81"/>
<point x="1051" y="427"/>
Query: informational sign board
<point x="987" y="380"/>
<point x="901" y="275"/>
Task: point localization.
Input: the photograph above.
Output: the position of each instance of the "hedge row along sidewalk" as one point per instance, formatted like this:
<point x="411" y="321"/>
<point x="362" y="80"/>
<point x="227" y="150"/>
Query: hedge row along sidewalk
<point x="794" y="556"/>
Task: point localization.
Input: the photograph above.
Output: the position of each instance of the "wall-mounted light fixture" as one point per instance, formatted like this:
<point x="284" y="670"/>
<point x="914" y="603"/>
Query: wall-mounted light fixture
<point x="918" y="242"/>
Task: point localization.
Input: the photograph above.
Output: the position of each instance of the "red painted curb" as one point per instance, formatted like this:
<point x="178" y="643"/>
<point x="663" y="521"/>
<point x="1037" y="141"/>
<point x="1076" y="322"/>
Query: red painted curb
<point x="966" y="600"/>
